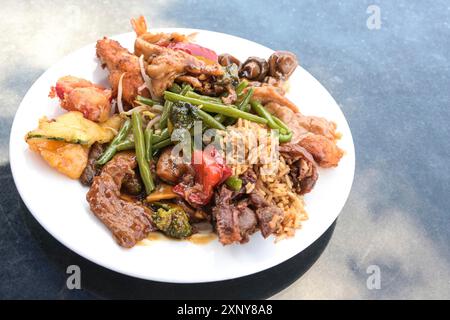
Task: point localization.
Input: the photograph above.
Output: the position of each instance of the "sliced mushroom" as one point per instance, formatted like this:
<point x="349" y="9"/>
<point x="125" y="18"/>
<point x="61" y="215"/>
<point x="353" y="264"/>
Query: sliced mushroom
<point x="254" y="69"/>
<point x="282" y="64"/>
<point x="226" y="59"/>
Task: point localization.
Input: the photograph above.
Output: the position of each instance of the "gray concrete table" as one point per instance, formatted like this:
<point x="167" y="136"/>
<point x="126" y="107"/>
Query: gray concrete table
<point x="391" y="82"/>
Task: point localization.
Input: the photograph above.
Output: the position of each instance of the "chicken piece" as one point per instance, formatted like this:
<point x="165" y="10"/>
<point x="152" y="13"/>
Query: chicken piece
<point x="317" y="135"/>
<point x="77" y="94"/>
<point x="303" y="168"/>
<point x="119" y="60"/>
<point x="129" y="221"/>
<point x="267" y="94"/>
<point x="166" y="64"/>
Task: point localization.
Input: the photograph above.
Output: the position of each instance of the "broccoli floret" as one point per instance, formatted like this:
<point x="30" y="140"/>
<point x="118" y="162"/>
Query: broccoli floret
<point x="173" y="222"/>
<point x="182" y="115"/>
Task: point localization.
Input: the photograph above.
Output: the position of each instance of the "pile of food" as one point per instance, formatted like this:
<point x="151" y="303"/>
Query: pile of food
<point x="186" y="137"/>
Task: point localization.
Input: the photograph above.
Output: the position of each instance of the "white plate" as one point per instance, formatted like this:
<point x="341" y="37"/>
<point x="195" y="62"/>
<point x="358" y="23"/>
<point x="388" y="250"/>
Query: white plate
<point x="59" y="203"/>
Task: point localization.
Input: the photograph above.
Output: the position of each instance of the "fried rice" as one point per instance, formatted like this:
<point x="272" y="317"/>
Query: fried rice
<point x="260" y="153"/>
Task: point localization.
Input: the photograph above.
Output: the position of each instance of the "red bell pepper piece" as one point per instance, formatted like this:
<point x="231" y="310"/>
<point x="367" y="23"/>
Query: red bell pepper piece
<point x="210" y="171"/>
<point x="194" y="49"/>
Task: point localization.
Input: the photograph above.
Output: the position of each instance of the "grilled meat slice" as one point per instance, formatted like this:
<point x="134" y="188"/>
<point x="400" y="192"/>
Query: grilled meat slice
<point x="269" y="216"/>
<point x="92" y="169"/>
<point x="129" y="221"/>
<point x="234" y="222"/>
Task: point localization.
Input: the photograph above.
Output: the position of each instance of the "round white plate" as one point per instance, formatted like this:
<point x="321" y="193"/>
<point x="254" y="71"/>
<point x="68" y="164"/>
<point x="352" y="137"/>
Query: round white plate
<point x="59" y="203"/>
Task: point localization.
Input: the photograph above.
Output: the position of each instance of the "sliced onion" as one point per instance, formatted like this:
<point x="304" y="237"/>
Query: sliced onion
<point x="152" y="122"/>
<point x="137" y="109"/>
<point x="113" y="107"/>
<point x="156" y="107"/>
<point x="145" y="77"/>
<point x="119" y="94"/>
<point x="141" y="88"/>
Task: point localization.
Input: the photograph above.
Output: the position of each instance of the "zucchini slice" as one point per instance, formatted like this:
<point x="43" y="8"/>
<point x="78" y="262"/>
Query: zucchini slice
<point x="72" y="127"/>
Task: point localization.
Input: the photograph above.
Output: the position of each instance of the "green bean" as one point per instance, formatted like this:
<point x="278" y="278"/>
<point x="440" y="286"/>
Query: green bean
<point x="186" y="89"/>
<point x="227" y="110"/>
<point x="221" y="118"/>
<point x="262" y="112"/>
<point x="162" y="144"/>
<point x="125" y="145"/>
<point x="280" y="123"/>
<point x="112" y="148"/>
<point x="246" y="99"/>
<point x="193" y="94"/>
<point x="162" y="136"/>
<point x="139" y="142"/>
<point x="165" y="114"/>
<point x="234" y="183"/>
<point x="175" y="88"/>
<point x="146" y="101"/>
<point x="243" y="106"/>
<point x="241" y="86"/>
<point x="208" y="119"/>
<point x="285" y="137"/>
<point x="148" y="136"/>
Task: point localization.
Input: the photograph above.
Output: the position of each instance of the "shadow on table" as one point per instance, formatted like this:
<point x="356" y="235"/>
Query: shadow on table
<point x="104" y="283"/>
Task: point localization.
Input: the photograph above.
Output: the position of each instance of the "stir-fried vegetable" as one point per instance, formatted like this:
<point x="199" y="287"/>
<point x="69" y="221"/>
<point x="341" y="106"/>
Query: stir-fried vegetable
<point x="146" y="101"/>
<point x="208" y="120"/>
<point x="262" y="112"/>
<point x="243" y="105"/>
<point x="241" y="86"/>
<point x="125" y="145"/>
<point x="193" y="94"/>
<point x="230" y="76"/>
<point x="162" y="136"/>
<point x="112" y="148"/>
<point x="174" y="222"/>
<point x="210" y="170"/>
<point x="148" y="136"/>
<point x="215" y="107"/>
<point x="163" y="192"/>
<point x="234" y="183"/>
<point x="72" y="127"/>
<point x="182" y="116"/>
<point x="285" y="135"/>
<point x="139" y="142"/>
<point x="165" y="114"/>
<point x="162" y="144"/>
<point x="175" y="88"/>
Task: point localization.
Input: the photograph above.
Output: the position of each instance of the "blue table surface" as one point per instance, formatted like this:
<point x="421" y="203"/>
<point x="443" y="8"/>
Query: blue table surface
<point x="392" y="84"/>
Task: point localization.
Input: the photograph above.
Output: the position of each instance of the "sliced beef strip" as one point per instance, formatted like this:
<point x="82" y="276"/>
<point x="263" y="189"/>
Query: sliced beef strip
<point x="129" y="221"/>
<point x="247" y="221"/>
<point x="234" y="222"/>
<point x="92" y="169"/>
<point x="269" y="216"/>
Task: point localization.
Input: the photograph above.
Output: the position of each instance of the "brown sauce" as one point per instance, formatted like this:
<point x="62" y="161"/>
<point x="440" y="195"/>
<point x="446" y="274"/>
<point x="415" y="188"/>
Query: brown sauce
<point x="198" y="238"/>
